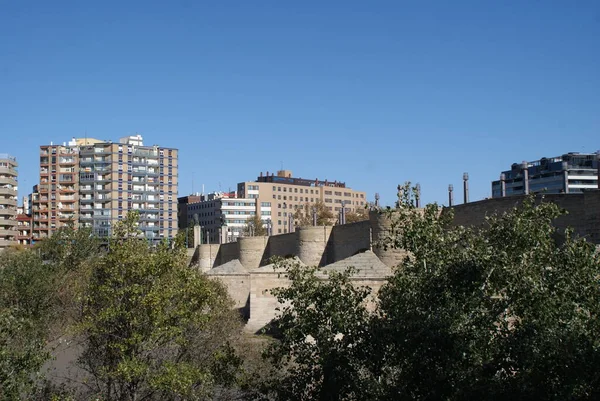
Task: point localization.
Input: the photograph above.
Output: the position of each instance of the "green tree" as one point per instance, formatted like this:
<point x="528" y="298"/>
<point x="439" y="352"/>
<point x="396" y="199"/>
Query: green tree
<point x="255" y="226"/>
<point x="150" y="327"/>
<point x="303" y="216"/>
<point x="500" y="312"/>
<point x="26" y="312"/>
<point x="323" y="328"/>
<point x="356" y="216"/>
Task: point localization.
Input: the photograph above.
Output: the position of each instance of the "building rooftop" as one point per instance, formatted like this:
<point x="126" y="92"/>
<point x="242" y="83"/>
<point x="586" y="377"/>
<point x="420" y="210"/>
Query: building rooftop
<point x="285" y="177"/>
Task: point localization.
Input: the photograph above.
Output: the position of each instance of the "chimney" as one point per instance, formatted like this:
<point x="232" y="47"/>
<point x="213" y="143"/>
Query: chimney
<point x="418" y="195"/>
<point x="525" y="178"/>
<point x="502" y="185"/>
<point x="450" y="195"/>
<point x="466" y="187"/>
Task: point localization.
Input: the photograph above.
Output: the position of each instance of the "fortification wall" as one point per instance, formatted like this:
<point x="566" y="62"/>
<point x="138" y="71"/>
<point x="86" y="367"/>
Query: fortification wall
<point x="583" y="211"/>
<point x="312" y="244"/>
<point x="262" y="302"/>
<point x="238" y="287"/>
<point x="207" y="256"/>
<point x="281" y="245"/>
<point x="380" y="229"/>
<point x="251" y="251"/>
<point x="349" y="239"/>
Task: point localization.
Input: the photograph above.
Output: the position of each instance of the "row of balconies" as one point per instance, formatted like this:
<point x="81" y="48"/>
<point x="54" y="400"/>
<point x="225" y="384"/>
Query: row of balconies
<point x="8" y="171"/>
<point x="7" y="191"/>
<point x="8" y="180"/>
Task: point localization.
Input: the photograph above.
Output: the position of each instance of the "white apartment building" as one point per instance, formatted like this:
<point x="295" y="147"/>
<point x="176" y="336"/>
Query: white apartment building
<point x="223" y="216"/>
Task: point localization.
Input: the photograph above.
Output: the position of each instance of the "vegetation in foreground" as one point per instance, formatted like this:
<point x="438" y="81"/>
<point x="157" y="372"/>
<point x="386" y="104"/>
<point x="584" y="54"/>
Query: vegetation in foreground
<point x="505" y="311"/>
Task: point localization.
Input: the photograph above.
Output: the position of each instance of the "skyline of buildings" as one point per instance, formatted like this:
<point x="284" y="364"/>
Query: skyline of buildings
<point x="94" y="183"/>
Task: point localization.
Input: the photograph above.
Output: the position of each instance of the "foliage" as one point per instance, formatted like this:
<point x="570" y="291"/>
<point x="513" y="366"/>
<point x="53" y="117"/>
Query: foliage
<point x="323" y="326"/>
<point x="303" y="216"/>
<point x="500" y="312"/>
<point x="150" y="327"/>
<point x="26" y="305"/>
<point x="255" y="227"/>
<point x="356" y="216"/>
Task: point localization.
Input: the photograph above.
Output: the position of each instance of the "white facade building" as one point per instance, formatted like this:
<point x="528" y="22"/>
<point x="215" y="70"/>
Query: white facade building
<point x="223" y="217"/>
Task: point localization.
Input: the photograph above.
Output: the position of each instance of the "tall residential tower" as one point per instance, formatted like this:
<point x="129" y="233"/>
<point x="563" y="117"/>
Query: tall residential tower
<point x="8" y="201"/>
<point x="95" y="183"/>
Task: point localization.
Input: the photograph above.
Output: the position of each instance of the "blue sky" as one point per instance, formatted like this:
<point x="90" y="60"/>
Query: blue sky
<point x="373" y="93"/>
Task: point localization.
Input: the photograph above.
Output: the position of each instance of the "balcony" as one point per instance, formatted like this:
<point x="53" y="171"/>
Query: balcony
<point x="8" y="181"/>
<point x="8" y="171"/>
<point x="8" y="192"/>
<point x="7" y="233"/>
<point x="8" y="201"/>
<point x="5" y="243"/>
<point x="8" y="222"/>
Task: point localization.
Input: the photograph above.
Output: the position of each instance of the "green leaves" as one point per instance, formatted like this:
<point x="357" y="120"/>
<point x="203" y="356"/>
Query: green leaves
<point x="323" y="325"/>
<point x="502" y="311"/>
<point x="143" y="313"/>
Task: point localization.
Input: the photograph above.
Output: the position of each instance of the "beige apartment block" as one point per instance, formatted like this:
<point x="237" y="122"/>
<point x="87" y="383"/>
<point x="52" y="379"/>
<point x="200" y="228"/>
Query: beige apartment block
<point x="284" y="194"/>
<point x="8" y="201"/>
<point x="96" y="183"/>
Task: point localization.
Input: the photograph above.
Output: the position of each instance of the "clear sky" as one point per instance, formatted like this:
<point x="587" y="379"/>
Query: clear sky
<point x="373" y="93"/>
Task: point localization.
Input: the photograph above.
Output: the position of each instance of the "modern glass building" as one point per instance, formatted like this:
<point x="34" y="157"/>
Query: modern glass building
<point x="569" y="173"/>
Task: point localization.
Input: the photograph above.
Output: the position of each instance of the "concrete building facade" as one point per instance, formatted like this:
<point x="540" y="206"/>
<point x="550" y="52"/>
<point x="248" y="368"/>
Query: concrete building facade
<point x="94" y="183"/>
<point x="8" y="200"/>
<point x="286" y="194"/>
<point x="223" y="217"/>
<point x="24" y="229"/>
<point x="569" y="173"/>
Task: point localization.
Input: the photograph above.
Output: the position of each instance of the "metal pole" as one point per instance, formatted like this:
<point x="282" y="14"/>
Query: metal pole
<point x="466" y="187"/>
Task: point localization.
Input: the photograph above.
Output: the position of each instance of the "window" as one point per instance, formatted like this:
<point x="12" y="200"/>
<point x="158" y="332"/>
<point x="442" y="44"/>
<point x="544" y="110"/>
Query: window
<point x="327" y="192"/>
<point x="265" y="204"/>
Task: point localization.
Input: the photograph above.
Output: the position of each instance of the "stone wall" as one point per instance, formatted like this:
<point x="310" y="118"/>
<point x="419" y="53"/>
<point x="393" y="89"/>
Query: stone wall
<point x="349" y="239"/>
<point x="583" y="211"/>
<point x="281" y="245"/>
<point x="262" y="302"/>
<point x="238" y="287"/>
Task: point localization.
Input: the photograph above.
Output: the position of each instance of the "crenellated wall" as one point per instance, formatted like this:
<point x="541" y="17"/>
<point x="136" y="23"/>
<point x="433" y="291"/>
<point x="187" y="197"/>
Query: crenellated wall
<point x="322" y="246"/>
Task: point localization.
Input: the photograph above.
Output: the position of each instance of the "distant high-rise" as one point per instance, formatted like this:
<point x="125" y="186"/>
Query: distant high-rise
<point x="94" y="183"/>
<point x="569" y="173"/>
<point x="280" y="195"/>
<point x="8" y="200"/>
